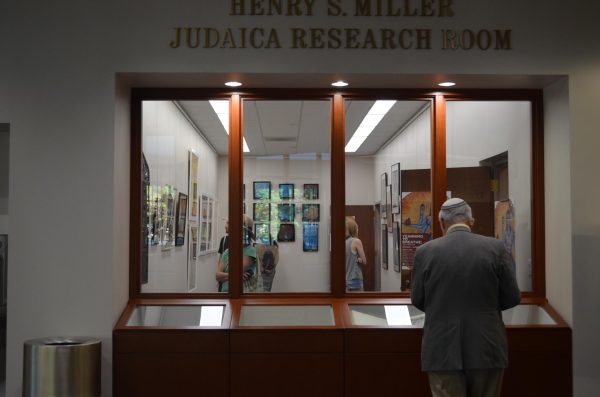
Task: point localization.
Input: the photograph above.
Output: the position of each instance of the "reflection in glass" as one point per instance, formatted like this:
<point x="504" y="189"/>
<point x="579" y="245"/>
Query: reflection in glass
<point x="184" y="150"/>
<point x="388" y="161"/>
<point x="177" y="316"/>
<point x="288" y="164"/>
<point x="293" y="315"/>
<point x="489" y="145"/>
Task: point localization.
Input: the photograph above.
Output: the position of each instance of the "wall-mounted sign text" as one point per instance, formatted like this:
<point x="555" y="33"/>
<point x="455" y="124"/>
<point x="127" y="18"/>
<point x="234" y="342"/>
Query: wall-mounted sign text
<point x="347" y="38"/>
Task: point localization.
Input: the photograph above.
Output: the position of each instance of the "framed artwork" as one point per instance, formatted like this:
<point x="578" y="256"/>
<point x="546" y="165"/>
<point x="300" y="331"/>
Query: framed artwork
<point x="168" y="217"/>
<point x="396" y="252"/>
<point x="191" y="270"/>
<point x="286" y="191"/>
<point x="286" y="212"/>
<point x="243" y="191"/>
<point x="181" y="216"/>
<point x="310" y="212"/>
<point x="395" y="188"/>
<point x="287" y="232"/>
<point x="390" y="217"/>
<point x="262" y="212"/>
<point x="383" y="196"/>
<point x="384" y="246"/>
<point x="193" y="185"/>
<point x="262" y="190"/>
<point x="262" y="233"/>
<point x="311" y="191"/>
<point x="310" y="237"/>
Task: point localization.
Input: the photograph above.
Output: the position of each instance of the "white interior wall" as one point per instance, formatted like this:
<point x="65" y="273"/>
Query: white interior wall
<point x="478" y="130"/>
<point x="297" y="271"/>
<point x="557" y="142"/>
<point x="167" y="139"/>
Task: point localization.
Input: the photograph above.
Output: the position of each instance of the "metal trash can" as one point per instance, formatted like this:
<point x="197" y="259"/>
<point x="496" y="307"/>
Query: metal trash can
<point x="61" y="367"/>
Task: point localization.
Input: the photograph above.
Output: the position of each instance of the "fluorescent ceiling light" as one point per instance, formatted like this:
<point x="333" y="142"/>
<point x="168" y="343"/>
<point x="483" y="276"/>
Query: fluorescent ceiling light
<point x="368" y="124"/>
<point x="340" y="83"/>
<point x="447" y="84"/>
<point x="233" y="84"/>
<point x="221" y="108"/>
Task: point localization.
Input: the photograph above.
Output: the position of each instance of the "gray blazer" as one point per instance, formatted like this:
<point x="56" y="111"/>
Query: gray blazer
<point x="462" y="282"/>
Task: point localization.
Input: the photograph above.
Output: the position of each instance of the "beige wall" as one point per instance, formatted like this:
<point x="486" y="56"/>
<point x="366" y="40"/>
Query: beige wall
<point x="69" y="159"/>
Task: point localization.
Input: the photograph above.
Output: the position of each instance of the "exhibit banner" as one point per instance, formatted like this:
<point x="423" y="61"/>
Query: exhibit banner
<point x="416" y="230"/>
<point x="504" y="226"/>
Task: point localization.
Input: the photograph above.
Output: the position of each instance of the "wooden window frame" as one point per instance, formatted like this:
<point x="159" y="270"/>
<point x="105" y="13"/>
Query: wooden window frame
<point x="437" y="98"/>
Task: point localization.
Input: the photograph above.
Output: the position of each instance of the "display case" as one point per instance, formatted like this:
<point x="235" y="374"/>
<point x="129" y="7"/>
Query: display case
<point x="344" y="347"/>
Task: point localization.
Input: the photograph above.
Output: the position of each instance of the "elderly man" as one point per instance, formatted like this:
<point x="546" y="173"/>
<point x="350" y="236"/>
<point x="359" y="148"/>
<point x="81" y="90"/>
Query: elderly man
<point x="462" y="282"/>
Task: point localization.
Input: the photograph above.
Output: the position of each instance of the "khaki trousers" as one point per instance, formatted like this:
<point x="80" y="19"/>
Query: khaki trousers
<point x="467" y="383"/>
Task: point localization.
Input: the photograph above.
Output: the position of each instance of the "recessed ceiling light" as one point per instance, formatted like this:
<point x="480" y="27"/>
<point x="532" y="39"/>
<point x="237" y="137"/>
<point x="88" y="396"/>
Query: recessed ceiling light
<point x="447" y="84"/>
<point x="233" y="84"/>
<point x="340" y="83"/>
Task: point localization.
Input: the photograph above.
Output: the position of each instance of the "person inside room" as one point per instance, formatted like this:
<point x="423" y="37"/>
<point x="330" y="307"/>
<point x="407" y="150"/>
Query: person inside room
<point x="249" y="261"/>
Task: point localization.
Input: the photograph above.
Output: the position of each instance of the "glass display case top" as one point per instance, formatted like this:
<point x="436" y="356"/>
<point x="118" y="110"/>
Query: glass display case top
<point x="288" y="315"/>
<point x="408" y="315"/>
<point x="527" y="315"/>
<point x="386" y="315"/>
<point x="177" y="316"/>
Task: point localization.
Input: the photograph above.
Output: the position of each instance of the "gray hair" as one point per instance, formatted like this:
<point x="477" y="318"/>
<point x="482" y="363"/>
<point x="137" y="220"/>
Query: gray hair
<point x="456" y="214"/>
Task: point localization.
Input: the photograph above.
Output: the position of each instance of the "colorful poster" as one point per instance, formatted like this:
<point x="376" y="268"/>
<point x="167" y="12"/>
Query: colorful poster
<point x="416" y="230"/>
<point x="504" y="226"/>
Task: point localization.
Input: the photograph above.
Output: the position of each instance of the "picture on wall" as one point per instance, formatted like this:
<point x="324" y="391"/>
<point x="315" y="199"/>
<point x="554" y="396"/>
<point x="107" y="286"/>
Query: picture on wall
<point x="504" y="226"/>
<point x="390" y="216"/>
<point x="193" y="185"/>
<point x="396" y="245"/>
<point x="311" y="191"/>
<point x="168" y="218"/>
<point x="181" y="216"/>
<point x="310" y="237"/>
<point x="193" y="243"/>
<point x="262" y="233"/>
<point x="383" y="196"/>
<point x="262" y="190"/>
<point x="286" y="191"/>
<point x="395" y="188"/>
<point x="384" y="246"/>
<point x="287" y="232"/>
<point x="262" y="212"/>
<point x="310" y="212"/>
<point x="204" y="240"/>
<point x="191" y="270"/>
<point x="155" y="220"/>
<point x="286" y="212"/>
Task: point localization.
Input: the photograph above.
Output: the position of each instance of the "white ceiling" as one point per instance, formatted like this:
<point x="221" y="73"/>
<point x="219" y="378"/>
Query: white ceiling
<point x="287" y="127"/>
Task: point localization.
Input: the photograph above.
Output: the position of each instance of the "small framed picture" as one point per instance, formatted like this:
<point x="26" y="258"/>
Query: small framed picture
<point x="383" y="198"/>
<point x="395" y="188"/>
<point x="384" y="246"/>
<point x="396" y="243"/>
<point x="262" y="212"/>
<point x="262" y="233"/>
<point x="286" y="212"/>
<point x="180" y="221"/>
<point x="310" y="237"/>
<point x="310" y="212"/>
<point x="262" y="190"/>
<point x="287" y="233"/>
<point x="286" y="191"/>
<point x="311" y="191"/>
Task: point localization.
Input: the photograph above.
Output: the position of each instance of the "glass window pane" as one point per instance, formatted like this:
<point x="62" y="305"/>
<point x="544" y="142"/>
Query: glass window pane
<point x="296" y="315"/>
<point x="177" y="316"/>
<point x="184" y="195"/>
<point x="488" y="159"/>
<point x="287" y="195"/>
<point x="388" y="193"/>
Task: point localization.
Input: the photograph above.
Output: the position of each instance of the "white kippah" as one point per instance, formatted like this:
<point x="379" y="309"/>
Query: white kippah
<point x="453" y="203"/>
